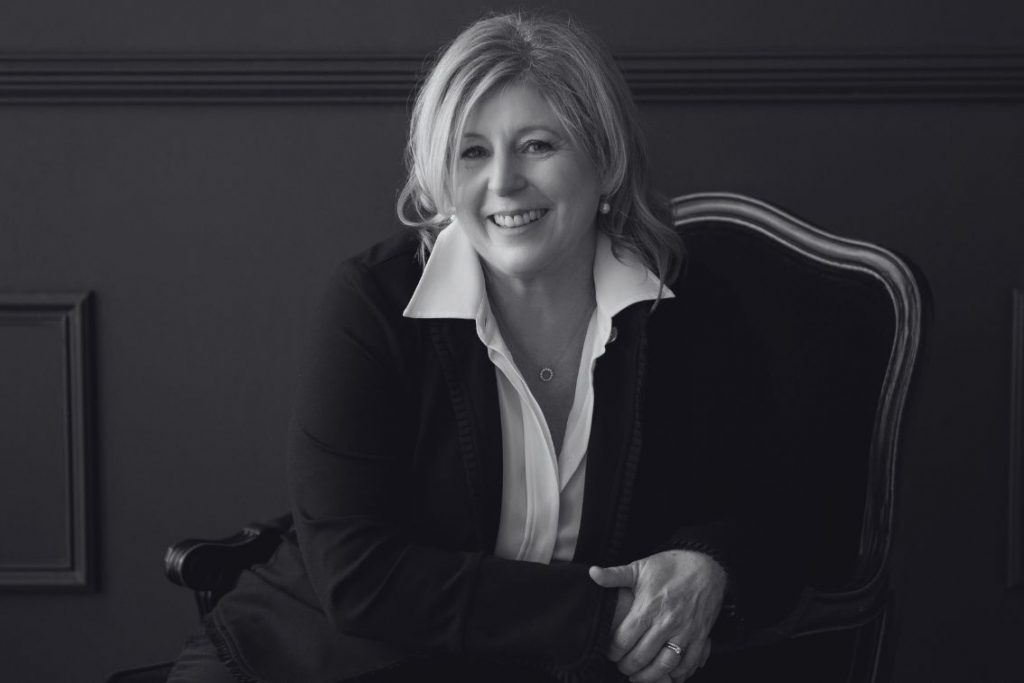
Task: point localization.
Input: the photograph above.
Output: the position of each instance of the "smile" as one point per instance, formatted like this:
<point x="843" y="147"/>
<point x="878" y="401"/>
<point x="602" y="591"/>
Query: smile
<point x="516" y="219"/>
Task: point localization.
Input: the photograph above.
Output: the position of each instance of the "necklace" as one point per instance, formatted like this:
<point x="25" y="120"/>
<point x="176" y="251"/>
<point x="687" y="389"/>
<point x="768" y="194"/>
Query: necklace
<point x="547" y="372"/>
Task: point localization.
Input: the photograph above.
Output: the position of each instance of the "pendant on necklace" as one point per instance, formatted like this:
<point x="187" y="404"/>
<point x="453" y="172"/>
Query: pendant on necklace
<point x="546" y="374"/>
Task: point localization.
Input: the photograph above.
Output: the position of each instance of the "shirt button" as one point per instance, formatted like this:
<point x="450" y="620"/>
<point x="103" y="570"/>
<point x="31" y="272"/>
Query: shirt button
<point x="613" y="335"/>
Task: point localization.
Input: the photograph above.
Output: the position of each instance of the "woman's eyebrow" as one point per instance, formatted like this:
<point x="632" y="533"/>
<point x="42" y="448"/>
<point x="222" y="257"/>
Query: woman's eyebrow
<point x="518" y="133"/>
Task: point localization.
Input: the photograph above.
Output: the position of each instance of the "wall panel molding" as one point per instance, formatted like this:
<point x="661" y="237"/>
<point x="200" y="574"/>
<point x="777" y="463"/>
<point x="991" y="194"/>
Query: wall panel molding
<point x="1015" y="470"/>
<point x="51" y="392"/>
<point x="59" y="78"/>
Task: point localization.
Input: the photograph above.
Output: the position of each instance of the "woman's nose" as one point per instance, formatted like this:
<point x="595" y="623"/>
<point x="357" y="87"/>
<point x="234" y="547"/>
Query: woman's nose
<point x="506" y="176"/>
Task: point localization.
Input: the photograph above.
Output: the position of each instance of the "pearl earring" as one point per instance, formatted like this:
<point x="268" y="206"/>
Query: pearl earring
<point x="605" y="207"/>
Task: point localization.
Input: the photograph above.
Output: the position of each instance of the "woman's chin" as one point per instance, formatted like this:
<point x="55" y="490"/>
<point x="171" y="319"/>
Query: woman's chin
<point x="520" y="263"/>
<point x="518" y="249"/>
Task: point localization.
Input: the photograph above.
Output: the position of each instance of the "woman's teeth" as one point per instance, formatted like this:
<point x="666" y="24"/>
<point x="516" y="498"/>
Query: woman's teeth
<point x="515" y="220"/>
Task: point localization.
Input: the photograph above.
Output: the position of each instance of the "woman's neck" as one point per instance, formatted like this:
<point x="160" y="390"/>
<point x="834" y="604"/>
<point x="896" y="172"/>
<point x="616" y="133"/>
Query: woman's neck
<point x="539" y="306"/>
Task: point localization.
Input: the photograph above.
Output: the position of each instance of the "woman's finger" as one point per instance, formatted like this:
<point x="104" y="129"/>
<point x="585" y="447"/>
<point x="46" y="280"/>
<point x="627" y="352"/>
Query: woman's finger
<point x="650" y="651"/>
<point x="623" y="576"/>
<point x="626" y="636"/>
<point x="664" y="662"/>
<point x="692" y="660"/>
<point x="707" y="653"/>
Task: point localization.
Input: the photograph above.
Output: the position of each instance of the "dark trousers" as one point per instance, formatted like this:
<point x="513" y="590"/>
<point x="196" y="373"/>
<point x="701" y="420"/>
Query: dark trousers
<point x="199" y="663"/>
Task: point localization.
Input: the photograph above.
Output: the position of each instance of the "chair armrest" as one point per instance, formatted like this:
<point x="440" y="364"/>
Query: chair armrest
<point x="817" y="611"/>
<point x="211" y="567"/>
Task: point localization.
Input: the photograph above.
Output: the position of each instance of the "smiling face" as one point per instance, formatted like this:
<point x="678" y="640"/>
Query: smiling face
<point x="524" y="194"/>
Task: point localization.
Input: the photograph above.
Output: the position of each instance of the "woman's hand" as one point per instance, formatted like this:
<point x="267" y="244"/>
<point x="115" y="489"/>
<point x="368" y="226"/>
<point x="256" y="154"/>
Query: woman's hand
<point x="672" y="596"/>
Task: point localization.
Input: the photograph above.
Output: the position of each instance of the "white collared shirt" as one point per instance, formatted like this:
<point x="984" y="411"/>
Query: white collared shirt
<point x="542" y="490"/>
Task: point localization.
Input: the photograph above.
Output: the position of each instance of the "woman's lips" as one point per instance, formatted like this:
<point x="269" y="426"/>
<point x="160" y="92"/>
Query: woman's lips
<point x="516" y="219"/>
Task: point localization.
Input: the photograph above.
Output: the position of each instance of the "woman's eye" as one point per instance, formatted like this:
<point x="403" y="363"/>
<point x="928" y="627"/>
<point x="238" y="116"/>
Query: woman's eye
<point x="538" y="147"/>
<point x="474" y="152"/>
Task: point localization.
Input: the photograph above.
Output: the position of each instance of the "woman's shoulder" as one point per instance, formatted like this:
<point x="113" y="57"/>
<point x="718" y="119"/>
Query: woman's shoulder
<point x="393" y="258"/>
<point x="385" y="273"/>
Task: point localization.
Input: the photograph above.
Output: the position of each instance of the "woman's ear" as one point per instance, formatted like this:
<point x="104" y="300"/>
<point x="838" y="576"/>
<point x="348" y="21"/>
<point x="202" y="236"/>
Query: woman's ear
<point x="607" y="188"/>
<point x="604" y="202"/>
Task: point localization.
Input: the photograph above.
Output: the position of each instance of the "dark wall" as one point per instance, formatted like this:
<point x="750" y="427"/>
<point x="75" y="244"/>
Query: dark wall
<point x="205" y="228"/>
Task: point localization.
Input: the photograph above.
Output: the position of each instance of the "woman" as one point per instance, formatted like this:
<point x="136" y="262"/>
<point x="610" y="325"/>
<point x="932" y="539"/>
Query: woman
<point x="516" y="457"/>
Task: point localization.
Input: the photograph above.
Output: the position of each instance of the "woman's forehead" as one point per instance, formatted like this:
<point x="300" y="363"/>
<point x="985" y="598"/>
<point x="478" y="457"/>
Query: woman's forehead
<point x="512" y="110"/>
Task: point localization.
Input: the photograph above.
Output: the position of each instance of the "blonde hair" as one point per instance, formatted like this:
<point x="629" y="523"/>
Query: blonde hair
<point x="580" y="81"/>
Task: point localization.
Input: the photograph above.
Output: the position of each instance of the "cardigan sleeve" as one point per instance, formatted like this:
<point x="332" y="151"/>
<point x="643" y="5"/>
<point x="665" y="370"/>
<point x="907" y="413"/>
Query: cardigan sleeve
<point x="351" y="489"/>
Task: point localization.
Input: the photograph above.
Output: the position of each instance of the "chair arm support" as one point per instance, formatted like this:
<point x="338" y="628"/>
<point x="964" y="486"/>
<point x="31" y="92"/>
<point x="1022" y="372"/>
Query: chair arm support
<point x="817" y="611"/>
<point x="213" y="566"/>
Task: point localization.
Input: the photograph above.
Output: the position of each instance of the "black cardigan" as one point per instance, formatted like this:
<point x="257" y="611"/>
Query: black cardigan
<point x="395" y="480"/>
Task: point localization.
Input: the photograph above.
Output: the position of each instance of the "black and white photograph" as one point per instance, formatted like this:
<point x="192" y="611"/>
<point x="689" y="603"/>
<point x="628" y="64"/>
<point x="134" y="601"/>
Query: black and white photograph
<point x="575" y="342"/>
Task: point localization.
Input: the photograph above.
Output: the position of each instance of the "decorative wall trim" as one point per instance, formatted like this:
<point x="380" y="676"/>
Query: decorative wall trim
<point x="1015" y="501"/>
<point x="60" y="78"/>
<point x="72" y="315"/>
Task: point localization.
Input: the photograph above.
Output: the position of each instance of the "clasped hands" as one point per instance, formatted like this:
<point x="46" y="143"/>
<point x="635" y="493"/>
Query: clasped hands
<point x="672" y="596"/>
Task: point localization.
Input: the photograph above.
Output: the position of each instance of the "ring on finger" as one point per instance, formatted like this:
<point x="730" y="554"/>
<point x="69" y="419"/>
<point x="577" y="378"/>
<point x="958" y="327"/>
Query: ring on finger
<point x="675" y="648"/>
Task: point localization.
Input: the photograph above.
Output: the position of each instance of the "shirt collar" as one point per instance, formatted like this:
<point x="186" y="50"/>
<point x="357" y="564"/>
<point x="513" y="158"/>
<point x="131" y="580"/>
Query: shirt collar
<point x="452" y="284"/>
<point x="620" y="281"/>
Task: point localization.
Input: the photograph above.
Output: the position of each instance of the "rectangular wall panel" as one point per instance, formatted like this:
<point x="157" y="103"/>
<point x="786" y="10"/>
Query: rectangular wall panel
<point x="1015" y="470"/>
<point x="45" y="426"/>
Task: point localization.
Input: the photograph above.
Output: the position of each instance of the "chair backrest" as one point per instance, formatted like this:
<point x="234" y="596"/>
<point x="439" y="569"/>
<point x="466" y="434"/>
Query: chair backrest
<point x="841" y="320"/>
